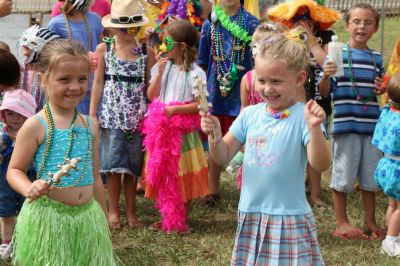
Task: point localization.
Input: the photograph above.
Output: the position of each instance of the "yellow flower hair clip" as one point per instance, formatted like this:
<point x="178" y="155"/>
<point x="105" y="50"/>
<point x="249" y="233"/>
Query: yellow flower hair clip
<point x="298" y="35"/>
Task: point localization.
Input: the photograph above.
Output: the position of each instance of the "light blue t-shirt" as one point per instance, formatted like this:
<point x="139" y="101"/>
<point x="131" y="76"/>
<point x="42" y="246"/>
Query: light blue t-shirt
<point x="274" y="160"/>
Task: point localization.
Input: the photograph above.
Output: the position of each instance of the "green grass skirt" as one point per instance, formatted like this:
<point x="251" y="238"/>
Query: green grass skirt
<point x="49" y="232"/>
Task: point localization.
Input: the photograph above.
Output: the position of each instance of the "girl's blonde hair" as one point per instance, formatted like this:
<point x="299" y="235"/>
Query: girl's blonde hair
<point x="290" y="48"/>
<point x="393" y="88"/>
<point x="183" y="33"/>
<point x="58" y="50"/>
<point x="264" y="30"/>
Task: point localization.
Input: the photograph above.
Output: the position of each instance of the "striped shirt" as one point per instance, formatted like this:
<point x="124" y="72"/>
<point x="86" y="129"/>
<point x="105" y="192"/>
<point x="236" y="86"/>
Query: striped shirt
<point x="349" y="114"/>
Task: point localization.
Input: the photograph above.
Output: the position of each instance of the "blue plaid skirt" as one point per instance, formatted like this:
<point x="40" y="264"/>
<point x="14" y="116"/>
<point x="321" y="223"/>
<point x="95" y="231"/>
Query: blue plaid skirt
<point x="263" y="239"/>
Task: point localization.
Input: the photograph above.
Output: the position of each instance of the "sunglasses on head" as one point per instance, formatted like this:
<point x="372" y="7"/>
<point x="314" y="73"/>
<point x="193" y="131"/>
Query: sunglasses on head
<point x="127" y="19"/>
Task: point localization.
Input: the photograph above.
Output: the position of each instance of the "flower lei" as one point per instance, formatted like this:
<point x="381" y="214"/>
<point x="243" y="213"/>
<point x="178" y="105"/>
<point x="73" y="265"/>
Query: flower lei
<point x="185" y="9"/>
<point x="233" y="28"/>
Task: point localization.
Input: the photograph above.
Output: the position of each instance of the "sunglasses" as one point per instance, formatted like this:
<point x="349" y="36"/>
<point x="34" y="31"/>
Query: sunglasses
<point x="127" y="19"/>
<point x="129" y="31"/>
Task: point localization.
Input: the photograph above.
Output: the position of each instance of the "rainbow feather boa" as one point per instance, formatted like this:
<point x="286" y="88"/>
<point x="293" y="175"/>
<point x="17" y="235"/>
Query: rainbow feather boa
<point x="163" y="140"/>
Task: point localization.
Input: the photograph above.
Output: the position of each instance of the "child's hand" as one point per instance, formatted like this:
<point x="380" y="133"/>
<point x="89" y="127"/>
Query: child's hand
<point x="330" y="68"/>
<point x="169" y="111"/>
<point x="148" y="32"/>
<point x="37" y="189"/>
<point x="314" y="114"/>
<point x="161" y="63"/>
<point x="378" y="86"/>
<point x="210" y="125"/>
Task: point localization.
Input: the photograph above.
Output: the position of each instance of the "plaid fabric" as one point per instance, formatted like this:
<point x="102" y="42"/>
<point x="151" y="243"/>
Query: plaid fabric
<point x="263" y="239"/>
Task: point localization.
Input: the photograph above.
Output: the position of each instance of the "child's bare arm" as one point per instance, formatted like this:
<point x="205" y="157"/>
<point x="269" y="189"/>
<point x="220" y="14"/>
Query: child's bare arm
<point x="190" y="108"/>
<point x="318" y="152"/>
<point x="222" y="149"/>
<point x="155" y="86"/>
<point x="98" y="188"/>
<point x="151" y="60"/>
<point x="324" y="84"/>
<point x="24" y="150"/>
<point x="98" y="81"/>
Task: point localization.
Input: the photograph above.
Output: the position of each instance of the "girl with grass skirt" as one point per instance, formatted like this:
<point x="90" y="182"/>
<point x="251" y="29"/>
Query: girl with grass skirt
<point x="63" y="221"/>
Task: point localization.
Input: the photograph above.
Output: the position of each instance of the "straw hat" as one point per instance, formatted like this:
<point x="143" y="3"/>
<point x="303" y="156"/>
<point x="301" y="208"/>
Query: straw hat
<point x="286" y="12"/>
<point x="19" y="101"/>
<point x="125" y="14"/>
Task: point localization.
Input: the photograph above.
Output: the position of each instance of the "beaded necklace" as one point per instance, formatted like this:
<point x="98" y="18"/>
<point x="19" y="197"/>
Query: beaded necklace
<point x="87" y="29"/>
<point x="49" y="142"/>
<point x="24" y="78"/>
<point x="356" y="92"/>
<point x="226" y="70"/>
<point x="12" y="136"/>
<point x="113" y="66"/>
<point x="38" y="93"/>
<point x="280" y="115"/>
<point x="185" y="83"/>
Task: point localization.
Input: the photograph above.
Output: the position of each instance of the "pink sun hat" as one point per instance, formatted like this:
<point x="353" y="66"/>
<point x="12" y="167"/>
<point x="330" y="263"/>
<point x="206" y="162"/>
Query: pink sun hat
<point x="19" y="101"/>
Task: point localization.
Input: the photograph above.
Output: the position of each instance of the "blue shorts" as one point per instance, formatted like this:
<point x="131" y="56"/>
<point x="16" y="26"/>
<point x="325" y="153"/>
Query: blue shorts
<point x="121" y="152"/>
<point x="10" y="201"/>
<point x="354" y="157"/>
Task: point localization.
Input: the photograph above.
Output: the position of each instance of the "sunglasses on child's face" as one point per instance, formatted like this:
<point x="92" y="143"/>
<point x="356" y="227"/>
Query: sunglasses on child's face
<point x="128" y="19"/>
<point x="128" y="30"/>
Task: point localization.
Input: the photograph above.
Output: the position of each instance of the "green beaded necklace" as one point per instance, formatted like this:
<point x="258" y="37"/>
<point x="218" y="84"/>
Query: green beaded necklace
<point x="49" y="142"/>
<point x="356" y="92"/>
<point x="185" y="83"/>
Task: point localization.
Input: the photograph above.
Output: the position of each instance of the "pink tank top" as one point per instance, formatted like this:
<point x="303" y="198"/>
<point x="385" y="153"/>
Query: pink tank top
<point x="253" y="96"/>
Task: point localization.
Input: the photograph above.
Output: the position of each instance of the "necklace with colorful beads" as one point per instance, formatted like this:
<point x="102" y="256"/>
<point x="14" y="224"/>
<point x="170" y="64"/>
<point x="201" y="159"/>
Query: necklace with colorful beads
<point x="227" y="70"/>
<point x="356" y="92"/>
<point x="185" y="83"/>
<point x="49" y="144"/>
<point x="280" y="115"/>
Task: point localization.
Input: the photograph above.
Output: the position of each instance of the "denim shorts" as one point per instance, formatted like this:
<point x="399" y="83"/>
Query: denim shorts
<point x="354" y="157"/>
<point x="10" y="201"/>
<point x="121" y="152"/>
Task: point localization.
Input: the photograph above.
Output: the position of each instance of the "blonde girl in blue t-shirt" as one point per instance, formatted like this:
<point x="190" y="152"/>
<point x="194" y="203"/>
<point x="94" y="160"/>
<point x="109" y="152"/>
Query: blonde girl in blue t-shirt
<point x="63" y="222"/>
<point x="275" y="223"/>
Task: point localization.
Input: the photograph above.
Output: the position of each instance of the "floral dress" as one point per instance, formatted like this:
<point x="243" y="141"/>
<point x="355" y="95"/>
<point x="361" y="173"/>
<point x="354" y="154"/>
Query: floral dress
<point x="387" y="139"/>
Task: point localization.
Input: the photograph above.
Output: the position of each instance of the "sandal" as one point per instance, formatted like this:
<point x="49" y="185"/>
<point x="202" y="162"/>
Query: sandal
<point x="354" y="234"/>
<point x="211" y="200"/>
<point x="156" y="226"/>
<point x="377" y="234"/>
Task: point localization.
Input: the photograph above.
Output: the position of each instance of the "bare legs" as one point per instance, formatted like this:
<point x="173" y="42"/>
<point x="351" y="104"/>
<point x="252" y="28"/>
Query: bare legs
<point x="114" y="190"/>
<point x="343" y="226"/>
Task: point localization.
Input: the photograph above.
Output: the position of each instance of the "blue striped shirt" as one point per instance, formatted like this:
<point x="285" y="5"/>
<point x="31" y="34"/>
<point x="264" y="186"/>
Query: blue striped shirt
<point x="349" y="114"/>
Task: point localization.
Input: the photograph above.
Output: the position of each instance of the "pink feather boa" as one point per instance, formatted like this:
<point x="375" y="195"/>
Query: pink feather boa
<point x="163" y="140"/>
